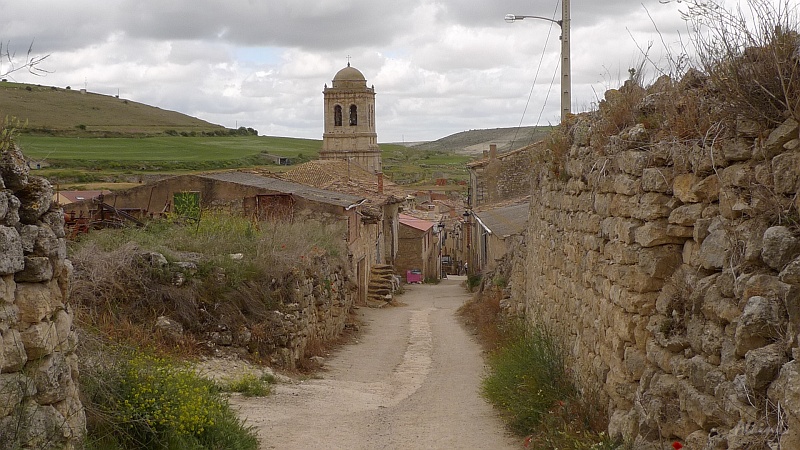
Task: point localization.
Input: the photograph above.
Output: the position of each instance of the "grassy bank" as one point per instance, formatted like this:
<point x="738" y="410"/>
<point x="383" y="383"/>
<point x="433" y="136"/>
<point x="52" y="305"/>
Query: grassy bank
<point x="529" y="382"/>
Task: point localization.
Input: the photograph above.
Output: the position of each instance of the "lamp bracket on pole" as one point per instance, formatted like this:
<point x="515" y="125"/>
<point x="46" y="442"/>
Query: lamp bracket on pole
<point x="566" y="82"/>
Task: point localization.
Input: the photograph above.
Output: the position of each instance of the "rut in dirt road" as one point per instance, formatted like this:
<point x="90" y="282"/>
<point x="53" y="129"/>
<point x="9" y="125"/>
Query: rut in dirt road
<point x="412" y="381"/>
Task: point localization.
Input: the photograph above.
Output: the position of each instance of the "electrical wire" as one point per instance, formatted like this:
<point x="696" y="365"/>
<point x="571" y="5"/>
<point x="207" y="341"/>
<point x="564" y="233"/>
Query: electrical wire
<point x="530" y="94"/>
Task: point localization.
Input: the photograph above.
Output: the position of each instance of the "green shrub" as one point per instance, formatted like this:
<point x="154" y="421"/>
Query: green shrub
<point x="473" y="281"/>
<point x="143" y="402"/>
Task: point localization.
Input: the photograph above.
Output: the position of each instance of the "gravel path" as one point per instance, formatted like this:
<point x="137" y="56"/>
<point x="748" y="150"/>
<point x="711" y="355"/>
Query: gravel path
<point x="412" y="381"/>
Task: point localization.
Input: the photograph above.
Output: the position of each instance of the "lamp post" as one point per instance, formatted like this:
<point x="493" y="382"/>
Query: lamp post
<point x="566" y="98"/>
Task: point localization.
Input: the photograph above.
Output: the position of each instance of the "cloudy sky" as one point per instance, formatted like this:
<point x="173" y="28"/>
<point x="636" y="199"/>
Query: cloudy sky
<point x="438" y="66"/>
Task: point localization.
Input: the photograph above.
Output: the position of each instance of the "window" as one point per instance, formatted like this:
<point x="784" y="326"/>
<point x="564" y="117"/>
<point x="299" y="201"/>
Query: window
<point x="337" y="115"/>
<point x="353" y="115"/>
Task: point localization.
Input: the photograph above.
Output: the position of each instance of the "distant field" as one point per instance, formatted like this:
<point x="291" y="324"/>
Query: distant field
<point x="177" y="152"/>
<point x="86" y="160"/>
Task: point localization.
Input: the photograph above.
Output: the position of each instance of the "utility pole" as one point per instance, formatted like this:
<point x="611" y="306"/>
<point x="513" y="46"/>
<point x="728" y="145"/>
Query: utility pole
<point x="566" y="81"/>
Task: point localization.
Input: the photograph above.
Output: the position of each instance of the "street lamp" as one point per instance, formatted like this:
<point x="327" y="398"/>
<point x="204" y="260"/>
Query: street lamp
<point x="566" y="98"/>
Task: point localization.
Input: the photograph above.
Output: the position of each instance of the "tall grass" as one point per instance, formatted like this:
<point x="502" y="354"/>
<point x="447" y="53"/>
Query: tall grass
<point x="530" y="383"/>
<point x="237" y="268"/>
<point x="528" y="378"/>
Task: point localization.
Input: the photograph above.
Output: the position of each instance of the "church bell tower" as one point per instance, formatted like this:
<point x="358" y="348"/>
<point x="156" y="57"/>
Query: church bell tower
<point x="350" y="121"/>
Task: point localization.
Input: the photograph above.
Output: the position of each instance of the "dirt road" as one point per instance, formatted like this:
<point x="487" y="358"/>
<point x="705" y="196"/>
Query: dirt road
<point x="411" y="381"/>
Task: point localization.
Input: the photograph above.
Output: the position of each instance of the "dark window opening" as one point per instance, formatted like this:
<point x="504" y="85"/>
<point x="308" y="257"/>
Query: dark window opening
<point x="337" y="115"/>
<point x="353" y="115"/>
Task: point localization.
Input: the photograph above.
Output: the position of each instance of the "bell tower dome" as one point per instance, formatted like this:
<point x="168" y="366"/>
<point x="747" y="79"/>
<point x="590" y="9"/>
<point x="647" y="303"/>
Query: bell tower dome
<point x="350" y="121"/>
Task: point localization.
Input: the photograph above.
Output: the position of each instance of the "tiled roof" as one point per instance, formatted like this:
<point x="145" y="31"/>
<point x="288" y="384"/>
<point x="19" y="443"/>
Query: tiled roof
<point x="288" y="187"/>
<point x="341" y="176"/>
<point x="413" y="222"/>
<point x="506" y="220"/>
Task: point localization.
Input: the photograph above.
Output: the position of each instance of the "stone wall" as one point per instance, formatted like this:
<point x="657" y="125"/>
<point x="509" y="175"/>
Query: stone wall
<point x="315" y="313"/>
<point x="39" y="403"/>
<point x="672" y="271"/>
<point x="501" y="177"/>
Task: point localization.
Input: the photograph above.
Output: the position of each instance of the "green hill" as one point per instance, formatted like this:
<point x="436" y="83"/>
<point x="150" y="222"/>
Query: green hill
<point x="67" y="112"/>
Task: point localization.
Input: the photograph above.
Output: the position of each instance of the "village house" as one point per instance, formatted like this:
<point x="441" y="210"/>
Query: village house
<point x="256" y="196"/>
<point x="499" y="177"/>
<point x="419" y="249"/>
<point x="495" y="230"/>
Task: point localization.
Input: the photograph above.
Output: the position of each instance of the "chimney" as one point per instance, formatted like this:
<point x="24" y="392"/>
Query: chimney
<point x="492" y="151"/>
<point x="380" y="183"/>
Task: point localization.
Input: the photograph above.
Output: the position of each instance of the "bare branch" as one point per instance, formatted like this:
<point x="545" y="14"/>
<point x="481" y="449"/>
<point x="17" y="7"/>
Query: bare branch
<point x="31" y="62"/>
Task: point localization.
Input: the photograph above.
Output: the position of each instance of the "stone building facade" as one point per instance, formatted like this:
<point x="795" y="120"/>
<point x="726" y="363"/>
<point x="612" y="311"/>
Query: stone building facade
<point x="499" y="177"/>
<point x="39" y="403"/>
<point x="350" y="121"/>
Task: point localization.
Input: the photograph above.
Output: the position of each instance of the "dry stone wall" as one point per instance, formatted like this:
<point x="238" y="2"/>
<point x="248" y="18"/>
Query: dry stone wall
<point x="672" y="271"/>
<point x="316" y="313"/>
<point x="39" y="403"/>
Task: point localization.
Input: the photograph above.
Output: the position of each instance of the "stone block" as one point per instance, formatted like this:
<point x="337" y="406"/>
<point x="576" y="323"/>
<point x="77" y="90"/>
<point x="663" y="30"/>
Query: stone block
<point x="633" y="162"/>
<point x="715" y="251"/>
<point x="14" y="356"/>
<point x="657" y="180"/>
<point x="39" y="339"/>
<point x="625" y="184"/>
<point x="655" y="233"/>
<point x="37" y="269"/>
<point x="737" y="149"/>
<point x="653" y="206"/>
<point x="635" y="362"/>
<point x="682" y="187"/>
<point x="14" y="388"/>
<point x="35" y="302"/>
<point x="66" y="339"/>
<point x="737" y="175"/>
<point x="621" y="253"/>
<point x="762" y="365"/>
<point x="781" y="135"/>
<point x="680" y="232"/>
<point x="36" y="197"/>
<point x="660" y="261"/>
<point x="760" y="324"/>
<point x="730" y="205"/>
<point x="780" y="246"/>
<point x="623" y="205"/>
<point x="52" y="377"/>
<point x="704" y="161"/>
<point x="791" y="273"/>
<point x="686" y="215"/>
<point x="11" y="255"/>
<point x="8" y="288"/>
<point x="707" y="190"/>
<point x="785" y="390"/>
<point x="786" y="176"/>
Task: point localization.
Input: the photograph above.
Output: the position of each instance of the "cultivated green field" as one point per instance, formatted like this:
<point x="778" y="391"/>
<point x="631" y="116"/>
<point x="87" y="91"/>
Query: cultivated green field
<point x="182" y="152"/>
<point x="86" y="160"/>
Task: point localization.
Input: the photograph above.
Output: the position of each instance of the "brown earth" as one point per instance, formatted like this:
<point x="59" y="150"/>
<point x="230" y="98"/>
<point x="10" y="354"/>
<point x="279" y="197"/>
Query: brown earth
<point x="410" y="381"/>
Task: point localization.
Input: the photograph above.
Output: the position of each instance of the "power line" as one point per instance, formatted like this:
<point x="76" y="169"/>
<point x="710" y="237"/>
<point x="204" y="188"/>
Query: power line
<point x="536" y="77"/>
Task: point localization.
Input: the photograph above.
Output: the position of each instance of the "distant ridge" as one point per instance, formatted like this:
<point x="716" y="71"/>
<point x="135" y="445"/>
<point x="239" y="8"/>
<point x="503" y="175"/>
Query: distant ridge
<point x="474" y="142"/>
<point x="48" y="109"/>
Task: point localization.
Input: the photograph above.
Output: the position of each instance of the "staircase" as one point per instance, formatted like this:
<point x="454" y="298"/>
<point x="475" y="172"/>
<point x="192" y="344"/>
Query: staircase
<point x="382" y="284"/>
